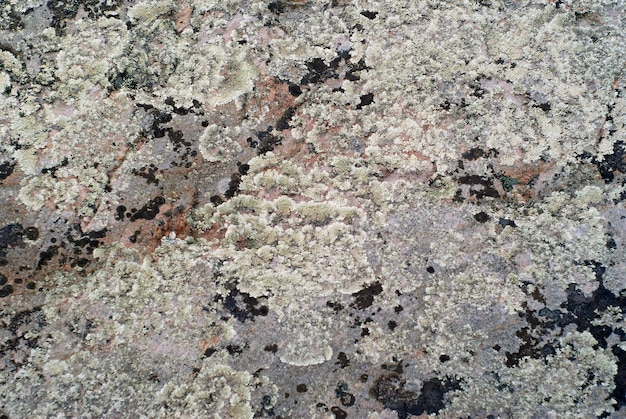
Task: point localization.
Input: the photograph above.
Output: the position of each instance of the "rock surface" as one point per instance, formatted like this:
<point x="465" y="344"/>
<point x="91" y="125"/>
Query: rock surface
<point x="312" y="208"/>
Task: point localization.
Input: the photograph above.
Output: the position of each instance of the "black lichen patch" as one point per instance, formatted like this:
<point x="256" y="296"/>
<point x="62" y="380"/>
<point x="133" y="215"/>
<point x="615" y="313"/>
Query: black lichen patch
<point x="476" y="153"/>
<point x="366" y="99"/>
<point x="242" y="306"/>
<point x="6" y="169"/>
<point x="579" y="310"/>
<point x="276" y="7"/>
<point x="619" y="393"/>
<point x="319" y="72"/>
<point x="389" y="390"/>
<point x="283" y="121"/>
<point x="150" y="210"/>
<point x="546" y="107"/>
<point x="266" y="141"/>
<point x="11" y="236"/>
<point x="16" y="345"/>
<point x="342" y="392"/>
<point x="482" y="217"/>
<point x="481" y="186"/>
<point x="365" y="297"/>
<point x="67" y="9"/>
<point x="148" y="173"/>
<point x="342" y="360"/>
<point x="295" y="90"/>
<point x="612" y="163"/>
<point x="273" y="348"/>
<point x="338" y="412"/>
<point x="369" y="14"/>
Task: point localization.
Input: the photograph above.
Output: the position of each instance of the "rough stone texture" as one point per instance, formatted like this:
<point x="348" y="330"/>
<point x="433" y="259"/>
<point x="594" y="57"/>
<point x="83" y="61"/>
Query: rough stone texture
<point x="312" y="208"/>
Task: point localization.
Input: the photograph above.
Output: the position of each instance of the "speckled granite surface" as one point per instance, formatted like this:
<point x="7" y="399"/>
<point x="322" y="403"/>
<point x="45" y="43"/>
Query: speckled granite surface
<point x="325" y="209"/>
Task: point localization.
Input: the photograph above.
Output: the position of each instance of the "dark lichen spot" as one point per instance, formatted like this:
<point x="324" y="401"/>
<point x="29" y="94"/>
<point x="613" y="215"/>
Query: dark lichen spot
<point x="506" y="222"/>
<point x="273" y="348"/>
<point x="11" y="236"/>
<point x="391" y="324"/>
<point x="485" y="186"/>
<point x="266" y="141"/>
<point x="276" y="7"/>
<point x="47" y="255"/>
<point x="482" y="217"/>
<point x="295" y="90"/>
<point x="301" y="388"/>
<point x="369" y="14"/>
<point x="342" y="360"/>
<point x="444" y="358"/>
<point x="234" y="349"/>
<point x="473" y="154"/>
<point x="134" y="237"/>
<point x="338" y="412"/>
<point x="365" y="297"/>
<point x="543" y="106"/>
<point x="319" y="72"/>
<point x="209" y="352"/>
<point x="150" y="210"/>
<point x="366" y="99"/>
<point x="6" y="169"/>
<point x="242" y="306"/>
<point x="283" y="121"/>
<point x="389" y="390"/>
<point x="6" y="291"/>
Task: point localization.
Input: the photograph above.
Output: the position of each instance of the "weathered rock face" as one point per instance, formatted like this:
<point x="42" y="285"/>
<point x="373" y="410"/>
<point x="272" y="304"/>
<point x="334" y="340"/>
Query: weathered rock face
<point x="312" y="208"/>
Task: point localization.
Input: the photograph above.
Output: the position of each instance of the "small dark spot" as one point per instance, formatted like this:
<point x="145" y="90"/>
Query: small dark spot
<point x="342" y="360"/>
<point x="543" y="106"/>
<point x="430" y="270"/>
<point x="337" y="307"/>
<point x="6" y="169"/>
<point x="3" y="279"/>
<point x="444" y="358"/>
<point x="338" y="412"/>
<point x="32" y="233"/>
<point x="276" y="7"/>
<point x="243" y="169"/>
<point x="150" y="210"/>
<point x="209" y="352"/>
<point x="473" y="153"/>
<point x="399" y="308"/>
<point x="283" y="121"/>
<point x="119" y="212"/>
<point x="301" y="388"/>
<point x="133" y="238"/>
<point x="30" y="286"/>
<point x="273" y="348"/>
<point x="234" y="349"/>
<point x="295" y="90"/>
<point x="363" y="378"/>
<point x="504" y="222"/>
<point x="17" y="280"/>
<point x="216" y="200"/>
<point x="365" y="297"/>
<point x="392" y="325"/>
<point x="482" y="217"/>
<point x="368" y="14"/>
<point x="366" y="99"/>
<point x="6" y="290"/>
